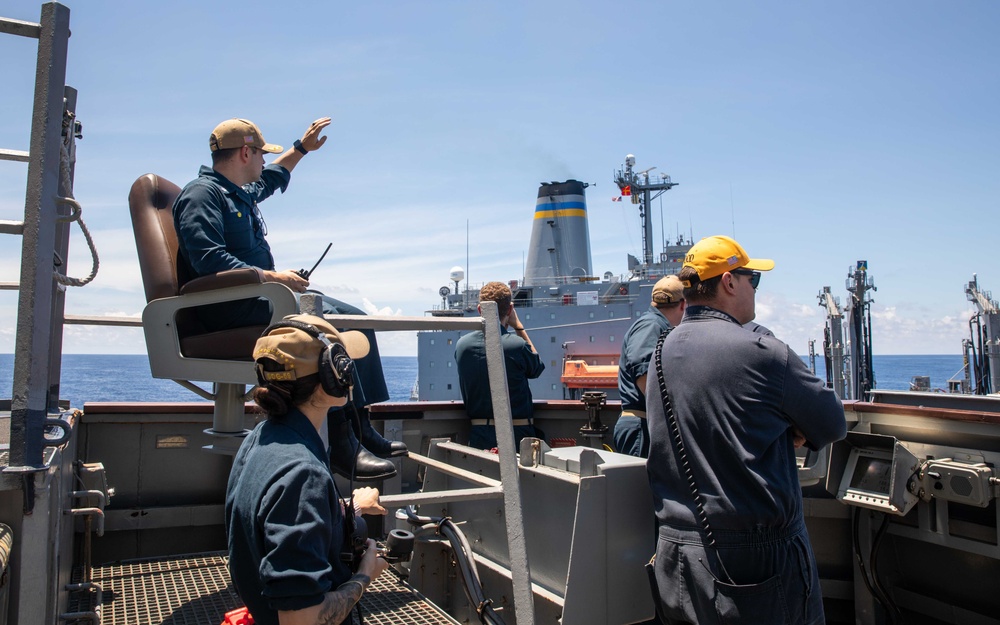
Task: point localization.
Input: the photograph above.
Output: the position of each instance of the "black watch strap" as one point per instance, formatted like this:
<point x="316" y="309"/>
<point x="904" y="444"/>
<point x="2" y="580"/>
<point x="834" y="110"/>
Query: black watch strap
<point x="298" y="146"/>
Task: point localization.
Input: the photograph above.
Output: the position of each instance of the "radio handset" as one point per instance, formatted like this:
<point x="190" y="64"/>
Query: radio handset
<point x="305" y="274"/>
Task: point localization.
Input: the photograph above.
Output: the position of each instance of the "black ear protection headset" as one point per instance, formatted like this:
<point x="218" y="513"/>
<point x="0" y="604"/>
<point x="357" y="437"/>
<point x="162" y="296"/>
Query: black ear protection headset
<point x="336" y="369"/>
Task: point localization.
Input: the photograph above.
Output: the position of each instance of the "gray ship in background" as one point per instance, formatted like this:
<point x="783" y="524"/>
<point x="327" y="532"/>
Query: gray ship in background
<point x="576" y="319"/>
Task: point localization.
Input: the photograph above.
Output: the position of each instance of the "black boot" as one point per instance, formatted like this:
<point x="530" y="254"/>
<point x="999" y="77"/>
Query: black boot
<point x="374" y="442"/>
<point x="343" y="445"/>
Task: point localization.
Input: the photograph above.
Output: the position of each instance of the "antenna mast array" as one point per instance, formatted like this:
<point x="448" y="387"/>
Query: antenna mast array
<point x="642" y="191"/>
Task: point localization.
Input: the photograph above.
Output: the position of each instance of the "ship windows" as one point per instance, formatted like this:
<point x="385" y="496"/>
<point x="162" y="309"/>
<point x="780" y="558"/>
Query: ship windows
<point x="431" y="364"/>
<point x="611" y="314"/>
<point x="591" y="339"/>
<point x="432" y="341"/>
<point x="553" y="387"/>
<point x="527" y="316"/>
<point x="431" y="386"/>
<point x="449" y="364"/>
<point x="449" y="387"/>
<point x="611" y="339"/>
<point x="552" y="315"/>
<point x="591" y="315"/>
<point x="450" y="341"/>
<point x="552" y="339"/>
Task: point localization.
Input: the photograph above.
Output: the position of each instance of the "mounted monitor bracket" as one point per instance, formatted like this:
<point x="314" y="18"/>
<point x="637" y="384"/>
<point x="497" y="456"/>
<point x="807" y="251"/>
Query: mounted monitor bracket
<point x="872" y="471"/>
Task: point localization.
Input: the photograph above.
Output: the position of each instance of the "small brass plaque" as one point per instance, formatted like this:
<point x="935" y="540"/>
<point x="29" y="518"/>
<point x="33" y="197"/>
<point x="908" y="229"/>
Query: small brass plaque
<point x="171" y="442"/>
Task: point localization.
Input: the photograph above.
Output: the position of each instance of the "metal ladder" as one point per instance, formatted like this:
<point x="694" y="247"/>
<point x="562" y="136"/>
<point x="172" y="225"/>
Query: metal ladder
<point x="45" y="235"/>
<point x="33" y="463"/>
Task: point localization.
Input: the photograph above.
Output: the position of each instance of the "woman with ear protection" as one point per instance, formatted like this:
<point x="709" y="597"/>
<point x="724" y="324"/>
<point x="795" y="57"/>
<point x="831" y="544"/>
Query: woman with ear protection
<point x="284" y="515"/>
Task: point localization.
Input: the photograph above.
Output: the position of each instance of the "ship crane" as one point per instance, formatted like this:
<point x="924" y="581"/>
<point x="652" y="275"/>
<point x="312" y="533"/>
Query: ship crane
<point x="638" y="186"/>
<point x="833" y="342"/>
<point x="984" y="327"/>
<point x="859" y="283"/>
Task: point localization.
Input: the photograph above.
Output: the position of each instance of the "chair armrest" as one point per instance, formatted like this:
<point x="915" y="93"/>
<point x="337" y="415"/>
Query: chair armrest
<point x="224" y="280"/>
<point x="164" y="347"/>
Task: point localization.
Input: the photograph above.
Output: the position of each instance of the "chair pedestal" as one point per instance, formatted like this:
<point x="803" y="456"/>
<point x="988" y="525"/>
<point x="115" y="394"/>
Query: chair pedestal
<point x="228" y="417"/>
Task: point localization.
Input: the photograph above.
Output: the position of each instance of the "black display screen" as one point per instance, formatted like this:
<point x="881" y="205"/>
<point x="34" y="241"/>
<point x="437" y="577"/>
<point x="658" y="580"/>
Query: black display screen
<point x="872" y="474"/>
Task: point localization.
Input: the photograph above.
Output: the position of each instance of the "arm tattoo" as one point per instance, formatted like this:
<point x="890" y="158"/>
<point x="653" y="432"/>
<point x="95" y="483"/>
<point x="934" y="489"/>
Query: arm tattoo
<point x="337" y="604"/>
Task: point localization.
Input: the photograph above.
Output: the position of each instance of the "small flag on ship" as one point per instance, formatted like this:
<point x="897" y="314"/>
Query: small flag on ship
<point x="616" y="199"/>
<point x="627" y="190"/>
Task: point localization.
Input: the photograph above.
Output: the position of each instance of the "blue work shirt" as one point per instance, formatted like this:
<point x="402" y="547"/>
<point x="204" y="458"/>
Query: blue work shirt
<point x="520" y="362"/>
<point x="736" y="395"/>
<point x="637" y="348"/>
<point x="284" y="519"/>
<point x="219" y="227"/>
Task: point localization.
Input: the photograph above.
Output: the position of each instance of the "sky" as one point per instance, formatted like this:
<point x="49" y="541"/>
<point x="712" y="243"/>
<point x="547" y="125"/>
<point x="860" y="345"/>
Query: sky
<point x="817" y="133"/>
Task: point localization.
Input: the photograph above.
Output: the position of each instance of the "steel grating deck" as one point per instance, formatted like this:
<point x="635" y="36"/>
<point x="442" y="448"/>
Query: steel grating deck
<point x="195" y="590"/>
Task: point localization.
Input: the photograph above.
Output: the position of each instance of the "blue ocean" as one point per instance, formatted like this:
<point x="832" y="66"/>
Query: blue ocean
<point x="88" y="377"/>
<point x="126" y="377"/>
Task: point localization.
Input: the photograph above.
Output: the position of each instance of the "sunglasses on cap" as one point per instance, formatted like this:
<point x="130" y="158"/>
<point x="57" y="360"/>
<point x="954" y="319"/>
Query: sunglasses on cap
<point x="754" y="276"/>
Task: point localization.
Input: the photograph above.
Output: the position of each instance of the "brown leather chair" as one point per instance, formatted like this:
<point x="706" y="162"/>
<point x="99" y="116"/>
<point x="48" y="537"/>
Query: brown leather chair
<point x="179" y="348"/>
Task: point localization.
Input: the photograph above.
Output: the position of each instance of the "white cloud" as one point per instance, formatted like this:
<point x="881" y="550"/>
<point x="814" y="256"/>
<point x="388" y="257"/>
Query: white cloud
<point x="386" y="311"/>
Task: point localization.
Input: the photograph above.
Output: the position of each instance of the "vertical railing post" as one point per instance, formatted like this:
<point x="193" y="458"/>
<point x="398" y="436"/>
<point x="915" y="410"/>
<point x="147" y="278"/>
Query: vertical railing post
<point x="65" y="189"/>
<point x="33" y="342"/>
<point x="520" y="572"/>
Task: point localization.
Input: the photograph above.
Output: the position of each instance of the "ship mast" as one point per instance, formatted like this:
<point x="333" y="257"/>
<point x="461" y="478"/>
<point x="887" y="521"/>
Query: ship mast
<point x="642" y="191"/>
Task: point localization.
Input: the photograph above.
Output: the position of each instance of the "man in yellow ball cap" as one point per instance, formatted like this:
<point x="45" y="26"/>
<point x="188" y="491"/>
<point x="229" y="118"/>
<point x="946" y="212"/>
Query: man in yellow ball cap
<point x="726" y="408"/>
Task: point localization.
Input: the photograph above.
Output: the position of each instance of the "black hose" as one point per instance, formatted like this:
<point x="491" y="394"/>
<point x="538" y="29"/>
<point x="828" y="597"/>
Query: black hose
<point x="976" y="364"/>
<point x="861" y="560"/>
<point x="987" y="381"/>
<point x="868" y="349"/>
<point x="893" y="612"/>
<point x="466" y="563"/>
<point x="828" y="356"/>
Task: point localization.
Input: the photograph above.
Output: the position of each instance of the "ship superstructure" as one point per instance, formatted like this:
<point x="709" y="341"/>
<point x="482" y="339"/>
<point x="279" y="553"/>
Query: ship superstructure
<point x="576" y="320"/>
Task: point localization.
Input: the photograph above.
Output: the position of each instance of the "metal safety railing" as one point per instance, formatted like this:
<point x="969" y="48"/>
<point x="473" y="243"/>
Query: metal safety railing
<point x="508" y="488"/>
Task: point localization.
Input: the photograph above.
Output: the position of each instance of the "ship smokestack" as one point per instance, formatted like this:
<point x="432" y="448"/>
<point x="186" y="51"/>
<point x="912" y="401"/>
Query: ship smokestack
<point x="559" y="252"/>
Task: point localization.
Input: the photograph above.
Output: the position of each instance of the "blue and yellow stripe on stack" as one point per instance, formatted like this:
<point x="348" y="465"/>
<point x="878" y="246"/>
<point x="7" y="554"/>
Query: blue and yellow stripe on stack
<point x="550" y="210"/>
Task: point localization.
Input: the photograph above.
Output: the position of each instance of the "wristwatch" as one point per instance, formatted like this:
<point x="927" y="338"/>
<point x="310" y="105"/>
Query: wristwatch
<point x="298" y="146"/>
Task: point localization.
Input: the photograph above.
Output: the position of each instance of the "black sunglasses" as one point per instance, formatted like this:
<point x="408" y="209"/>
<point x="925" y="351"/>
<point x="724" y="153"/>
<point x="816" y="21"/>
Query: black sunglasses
<point x="754" y="276"/>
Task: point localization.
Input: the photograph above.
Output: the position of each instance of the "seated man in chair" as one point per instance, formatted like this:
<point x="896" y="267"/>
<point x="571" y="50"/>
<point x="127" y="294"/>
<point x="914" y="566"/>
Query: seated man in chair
<point x="219" y="227"/>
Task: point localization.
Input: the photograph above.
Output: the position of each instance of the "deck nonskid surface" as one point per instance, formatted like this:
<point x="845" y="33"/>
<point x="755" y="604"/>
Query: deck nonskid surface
<point x="196" y="590"/>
